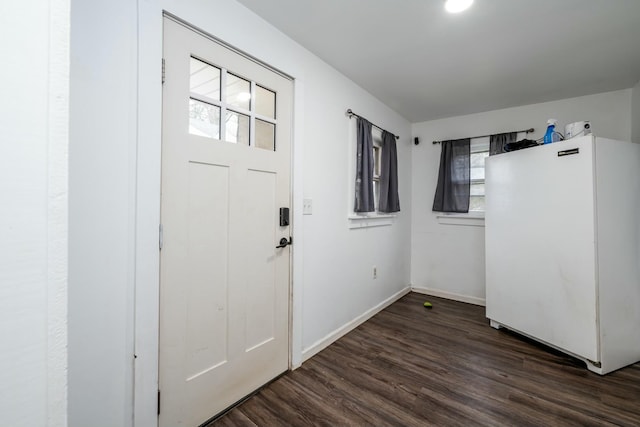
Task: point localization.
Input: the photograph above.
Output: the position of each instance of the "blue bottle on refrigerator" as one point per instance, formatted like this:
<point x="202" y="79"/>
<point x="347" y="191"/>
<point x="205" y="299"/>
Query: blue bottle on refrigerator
<point x="551" y="135"/>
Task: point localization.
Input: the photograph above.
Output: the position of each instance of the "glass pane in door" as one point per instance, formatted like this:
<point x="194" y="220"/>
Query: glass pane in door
<point x="204" y="119"/>
<point x="204" y="79"/>
<point x="265" y="102"/>
<point x="238" y="92"/>
<point x="237" y="128"/>
<point x="265" y="135"/>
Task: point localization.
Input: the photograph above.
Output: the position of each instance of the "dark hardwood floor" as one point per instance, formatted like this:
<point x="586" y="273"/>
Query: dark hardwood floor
<point x="445" y="366"/>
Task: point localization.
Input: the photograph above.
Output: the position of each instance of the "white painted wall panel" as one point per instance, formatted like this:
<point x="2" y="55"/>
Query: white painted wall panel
<point x="102" y="165"/>
<point x="439" y="250"/>
<point x="33" y="217"/>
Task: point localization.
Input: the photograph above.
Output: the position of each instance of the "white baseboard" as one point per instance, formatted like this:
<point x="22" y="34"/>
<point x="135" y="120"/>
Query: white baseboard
<point x="449" y="295"/>
<point x="338" y="333"/>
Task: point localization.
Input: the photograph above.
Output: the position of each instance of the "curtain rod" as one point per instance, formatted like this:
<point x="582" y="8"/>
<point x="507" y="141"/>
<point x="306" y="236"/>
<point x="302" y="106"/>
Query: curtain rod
<point x="530" y="130"/>
<point x="350" y="113"/>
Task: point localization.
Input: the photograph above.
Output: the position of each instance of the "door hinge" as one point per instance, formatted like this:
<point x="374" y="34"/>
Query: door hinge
<point x="158" y="402"/>
<point x="160" y="237"/>
<point x="163" y="71"/>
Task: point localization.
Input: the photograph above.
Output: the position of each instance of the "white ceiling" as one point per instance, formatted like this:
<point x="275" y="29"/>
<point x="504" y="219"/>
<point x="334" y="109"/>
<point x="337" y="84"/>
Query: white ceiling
<point x="428" y="64"/>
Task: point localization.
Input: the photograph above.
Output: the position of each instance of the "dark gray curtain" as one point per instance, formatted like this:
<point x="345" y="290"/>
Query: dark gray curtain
<point x="364" y="168"/>
<point x="389" y="200"/>
<point x="452" y="192"/>
<point x="497" y="142"/>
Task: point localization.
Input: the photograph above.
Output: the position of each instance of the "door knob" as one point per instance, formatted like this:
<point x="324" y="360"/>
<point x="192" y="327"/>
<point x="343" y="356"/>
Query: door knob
<point x="284" y="242"/>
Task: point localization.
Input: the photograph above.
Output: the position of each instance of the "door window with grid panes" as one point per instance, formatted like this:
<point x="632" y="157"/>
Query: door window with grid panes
<point x="227" y="107"/>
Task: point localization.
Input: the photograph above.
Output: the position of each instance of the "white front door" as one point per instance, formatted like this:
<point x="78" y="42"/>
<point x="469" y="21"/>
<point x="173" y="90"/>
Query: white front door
<point x="224" y="286"/>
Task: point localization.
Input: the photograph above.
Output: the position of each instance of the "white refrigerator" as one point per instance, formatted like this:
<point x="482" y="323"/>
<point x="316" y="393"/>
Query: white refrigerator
<point x="562" y="239"/>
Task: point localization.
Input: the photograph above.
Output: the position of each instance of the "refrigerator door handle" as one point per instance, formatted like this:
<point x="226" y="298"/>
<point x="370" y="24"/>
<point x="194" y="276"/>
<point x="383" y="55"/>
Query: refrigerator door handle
<point x="568" y="152"/>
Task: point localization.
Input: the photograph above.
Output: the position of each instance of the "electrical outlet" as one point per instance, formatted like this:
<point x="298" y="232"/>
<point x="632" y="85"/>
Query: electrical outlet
<point x="375" y="272"/>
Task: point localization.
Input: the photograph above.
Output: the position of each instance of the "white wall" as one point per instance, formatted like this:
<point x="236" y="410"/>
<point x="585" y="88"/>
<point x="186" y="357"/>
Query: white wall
<point x="114" y="198"/>
<point x="338" y="261"/>
<point x="102" y="163"/>
<point x="33" y="218"/>
<point x="449" y="259"/>
<point x="635" y="114"/>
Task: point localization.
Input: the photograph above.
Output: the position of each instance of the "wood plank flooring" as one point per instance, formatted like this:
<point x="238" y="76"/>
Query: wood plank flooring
<point x="445" y="366"/>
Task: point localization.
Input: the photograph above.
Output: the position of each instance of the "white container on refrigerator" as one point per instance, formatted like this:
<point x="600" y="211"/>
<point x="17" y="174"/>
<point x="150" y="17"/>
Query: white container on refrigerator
<point x="562" y="233"/>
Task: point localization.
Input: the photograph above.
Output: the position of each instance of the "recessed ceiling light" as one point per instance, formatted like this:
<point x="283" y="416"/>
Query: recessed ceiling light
<point x="455" y="6"/>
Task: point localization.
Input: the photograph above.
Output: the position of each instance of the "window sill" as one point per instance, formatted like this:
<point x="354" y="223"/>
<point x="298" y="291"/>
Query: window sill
<point x="475" y="219"/>
<point x="370" y="220"/>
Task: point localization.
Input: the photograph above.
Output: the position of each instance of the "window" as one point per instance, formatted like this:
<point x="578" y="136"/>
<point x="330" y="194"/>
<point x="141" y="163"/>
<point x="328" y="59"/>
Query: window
<point x="377" y="160"/>
<point x="227" y="107"/>
<point x="377" y="218"/>
<point x="479" y="152"/>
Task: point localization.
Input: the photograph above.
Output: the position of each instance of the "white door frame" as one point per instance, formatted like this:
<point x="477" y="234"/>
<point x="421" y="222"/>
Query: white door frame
<point x="147" y="186"/>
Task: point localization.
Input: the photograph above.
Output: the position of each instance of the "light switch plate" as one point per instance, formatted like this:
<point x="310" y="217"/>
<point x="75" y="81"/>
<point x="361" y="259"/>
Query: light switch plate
<point x="307" y="206"/>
